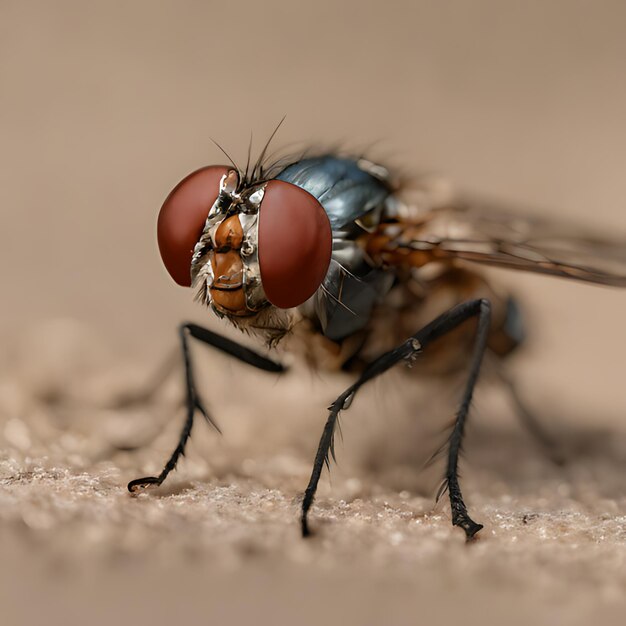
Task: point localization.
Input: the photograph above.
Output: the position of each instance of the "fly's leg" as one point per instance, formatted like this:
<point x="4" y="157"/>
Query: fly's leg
<point x="460" y="517"/>
<point x="193" y="402"/>
<point x="409" y="350"/>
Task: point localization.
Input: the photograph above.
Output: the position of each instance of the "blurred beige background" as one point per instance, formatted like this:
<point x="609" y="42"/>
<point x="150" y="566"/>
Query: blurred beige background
<point x="105" y="105"/>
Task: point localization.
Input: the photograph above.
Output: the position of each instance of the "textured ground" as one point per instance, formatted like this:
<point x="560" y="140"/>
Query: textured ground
<point x="221" y="538"/>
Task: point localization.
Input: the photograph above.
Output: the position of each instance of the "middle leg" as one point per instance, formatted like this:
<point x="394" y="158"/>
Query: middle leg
<point x="409" y="350"/>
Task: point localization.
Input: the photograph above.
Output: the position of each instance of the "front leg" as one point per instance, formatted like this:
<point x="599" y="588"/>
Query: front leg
<point x="193" y="401"/>
<point x="407" y="351"/>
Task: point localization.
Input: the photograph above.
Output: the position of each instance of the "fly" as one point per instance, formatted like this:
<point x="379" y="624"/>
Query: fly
<point x="324" y="251"/>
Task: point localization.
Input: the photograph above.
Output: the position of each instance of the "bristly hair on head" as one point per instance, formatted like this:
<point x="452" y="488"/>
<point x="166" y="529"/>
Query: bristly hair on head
<point x="259" y="171"/>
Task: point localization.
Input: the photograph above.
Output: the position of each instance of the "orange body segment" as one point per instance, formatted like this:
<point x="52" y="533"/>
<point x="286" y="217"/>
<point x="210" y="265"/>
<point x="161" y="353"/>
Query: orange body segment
<point x="229" y="233"/>
<point x="227" y="270"/>
<point x="384" y="247"/>
<point x="230" y="302"/>
<point x="227" y="291"/>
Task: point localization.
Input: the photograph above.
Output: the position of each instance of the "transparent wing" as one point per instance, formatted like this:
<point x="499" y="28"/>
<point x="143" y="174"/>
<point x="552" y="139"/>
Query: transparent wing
<point x="482" y="233"/>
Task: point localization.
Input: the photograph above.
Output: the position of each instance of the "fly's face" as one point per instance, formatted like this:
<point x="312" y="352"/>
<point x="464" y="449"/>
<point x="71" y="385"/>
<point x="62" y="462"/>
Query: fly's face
<point x="246" y="246"/>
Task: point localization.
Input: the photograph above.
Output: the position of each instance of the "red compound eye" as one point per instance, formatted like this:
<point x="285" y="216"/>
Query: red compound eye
<point x="182" y="219"/>
<point x="295" y="244"/>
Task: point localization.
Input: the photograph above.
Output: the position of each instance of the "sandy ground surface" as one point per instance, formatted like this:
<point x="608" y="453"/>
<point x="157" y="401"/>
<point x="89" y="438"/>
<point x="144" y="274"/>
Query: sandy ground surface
<point x="220" y="540"/>
<point x="104" y="106"/>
